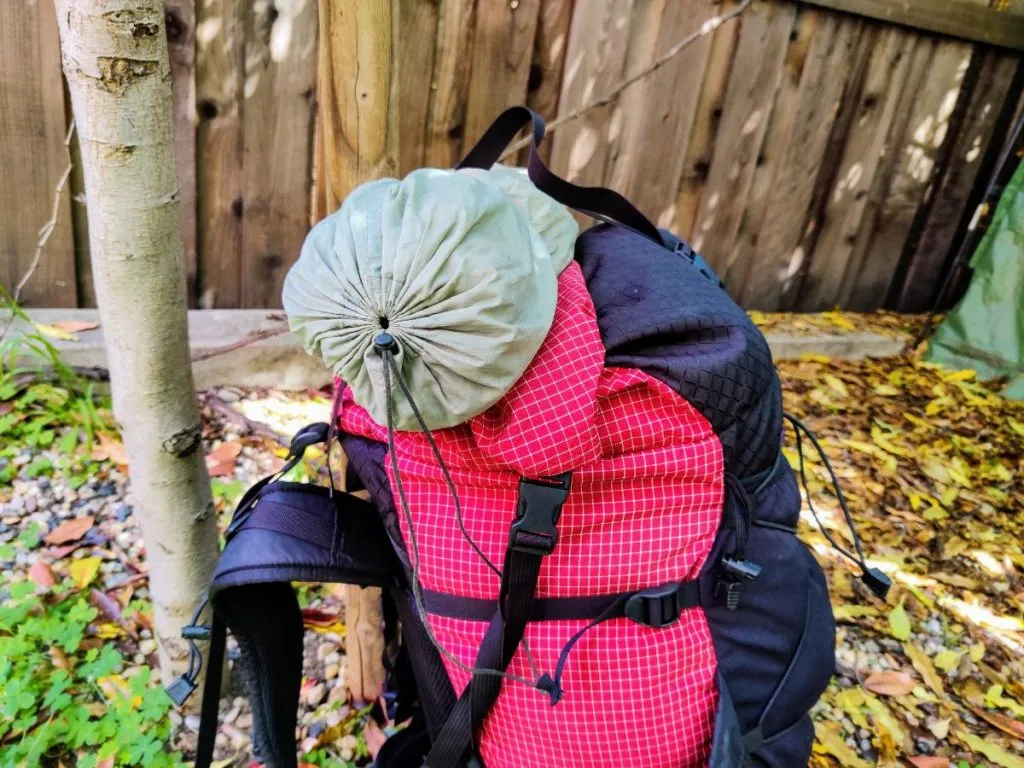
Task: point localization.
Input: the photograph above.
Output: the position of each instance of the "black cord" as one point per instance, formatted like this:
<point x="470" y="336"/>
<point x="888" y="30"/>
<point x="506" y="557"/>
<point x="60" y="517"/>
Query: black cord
<point x="798" y="427"/>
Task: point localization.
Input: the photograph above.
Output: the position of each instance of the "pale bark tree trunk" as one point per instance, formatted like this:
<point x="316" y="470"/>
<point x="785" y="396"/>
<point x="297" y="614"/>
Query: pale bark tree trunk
<point x="357" y="141"/>
<point x="116" y="63"/>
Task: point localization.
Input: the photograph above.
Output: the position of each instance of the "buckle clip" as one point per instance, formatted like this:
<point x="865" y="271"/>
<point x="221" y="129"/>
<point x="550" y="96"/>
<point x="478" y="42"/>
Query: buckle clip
<point x="534" y="530"/>
<point x="656" y="606"/>
<point x="309" y="435"/>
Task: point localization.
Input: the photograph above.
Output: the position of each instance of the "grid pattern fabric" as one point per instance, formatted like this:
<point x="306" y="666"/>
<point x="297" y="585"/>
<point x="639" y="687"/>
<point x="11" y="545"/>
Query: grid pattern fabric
<point x="646" y="499"/>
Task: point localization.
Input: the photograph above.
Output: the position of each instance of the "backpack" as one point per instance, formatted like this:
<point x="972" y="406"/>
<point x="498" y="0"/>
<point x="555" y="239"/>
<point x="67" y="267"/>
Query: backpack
<point x="602" y="569"/>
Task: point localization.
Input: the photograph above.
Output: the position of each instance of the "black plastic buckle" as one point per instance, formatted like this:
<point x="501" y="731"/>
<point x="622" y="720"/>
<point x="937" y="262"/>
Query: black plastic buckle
<point x="655" y="607"/>
<point x="534" y="530"/>
<point x="681" y="248"/>
<point x="877" y="582"/>
<point x="195" y="632"/>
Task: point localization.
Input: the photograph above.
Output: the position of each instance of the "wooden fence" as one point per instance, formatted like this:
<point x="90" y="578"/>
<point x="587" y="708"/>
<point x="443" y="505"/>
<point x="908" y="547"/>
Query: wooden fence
<point x="817" y="156"/>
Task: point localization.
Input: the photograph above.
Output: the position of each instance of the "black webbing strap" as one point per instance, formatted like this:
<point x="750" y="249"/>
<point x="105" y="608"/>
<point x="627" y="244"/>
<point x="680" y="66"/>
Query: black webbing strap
<point x="599" y="202"/>
<point x="532" y="538"/>
<point x="211" y="692"/>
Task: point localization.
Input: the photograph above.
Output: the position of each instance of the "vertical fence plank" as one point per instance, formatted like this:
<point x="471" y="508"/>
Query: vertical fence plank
<point x="672" y="93"/>
<point x="417" y="35"/>
<point x="921" y="131"/>
<point x="775" y="256"/>
<point x="753" y="84"/>
<point x="447" y="110"/>
<point x="876" y="108"/>
<point x="706" y="121"/>
<point x="278" y="91"/>
<point x="594" y="61"/>
<point x="32" y="156"/>
<point x="948" y="206"/>
<point x="180" y="21"/>
<point x="549" y="47"/>
<point x="502" y="51"/>
<point x="220" y="50"/>
<point x="768" y="165"/>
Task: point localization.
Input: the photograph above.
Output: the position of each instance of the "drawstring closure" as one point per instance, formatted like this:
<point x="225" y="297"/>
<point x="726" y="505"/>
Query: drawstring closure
<point x="875" y="580"/>
<point x="386" y="346"/>
<point x="183" y="687"/>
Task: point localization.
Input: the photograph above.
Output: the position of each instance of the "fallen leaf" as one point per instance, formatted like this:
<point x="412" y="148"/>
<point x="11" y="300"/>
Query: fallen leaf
<point x="75" y="326"/>
<point x="374" y="737"/>
<point x="111" y="609"/>
<point x="995" y="699"/>
<point x="106" y="762"/>
<point x="58" y="553"/>
<point x="322" y="621"/>
<point x="1005" y="724"/>
<point x="220" y="462"/>
<point x="70" y="531"/>
<point x="947" y="660"/>
<point x="890" y="683"/>
<point x="940" y="728"/>
<point x="899" y="623"/>
<point x="41" y="574"/>
<point x="830" y="741"/>
<point x="853" y="611"/>
<point x="55" y="332"/>
<point x="107" y="448"/>
<point x="924" y="667"/>
<point x="84" y="570"/>
<point x="977" y="652"/>
<point x="929" y="761"/>
<point x="990" y="750"/>
<point x="953" y="547"/>
<point x="59" y="659"/>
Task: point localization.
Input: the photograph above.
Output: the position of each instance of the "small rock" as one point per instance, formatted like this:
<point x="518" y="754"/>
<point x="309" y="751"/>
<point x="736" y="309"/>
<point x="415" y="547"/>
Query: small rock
<point x="175" y="718"/>
<point x="107" y="489"/>
<point x="15" y="506"/>
<point x="314" y="694"/>
<point x="334" y="717"/>
<point x="122" y="512"/>
<point x="43" y="483"/>
<point x="244" y="721"/>
<point x="146" y="647"/>
<point x="324" y="650"/>
<point x="222" y="741"/>
<point x="331" y="671"/>
<point x="338" y="693"/>
<point x="192" y="722"/>
<point x="924" y="745"/>
<point x="31" y="505"/>
<point x="332" y="658"/>
<point x="229" y="395"/>
<point x="232" y="714"/>
<point x="317" y="728"/>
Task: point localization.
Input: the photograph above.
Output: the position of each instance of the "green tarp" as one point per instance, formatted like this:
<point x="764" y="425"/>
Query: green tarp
<point x="986" y="330"/>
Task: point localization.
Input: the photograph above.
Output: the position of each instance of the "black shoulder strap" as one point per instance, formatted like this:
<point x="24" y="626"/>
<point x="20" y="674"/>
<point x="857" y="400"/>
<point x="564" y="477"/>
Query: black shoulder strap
<point x="599" y="202"/>
<point x="532" y="538"/>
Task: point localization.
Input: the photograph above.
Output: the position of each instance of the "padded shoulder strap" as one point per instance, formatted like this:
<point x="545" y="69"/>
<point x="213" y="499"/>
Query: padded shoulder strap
<point x="600" y="203"/>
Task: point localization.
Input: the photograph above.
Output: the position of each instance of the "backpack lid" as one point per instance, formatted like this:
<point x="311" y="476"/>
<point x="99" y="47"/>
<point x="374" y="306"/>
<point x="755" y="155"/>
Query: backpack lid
<point x="459" y="267"/>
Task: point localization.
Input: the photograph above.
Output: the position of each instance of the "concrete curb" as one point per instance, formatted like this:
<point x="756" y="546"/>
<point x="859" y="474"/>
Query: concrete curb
<point x="281" y="362"/>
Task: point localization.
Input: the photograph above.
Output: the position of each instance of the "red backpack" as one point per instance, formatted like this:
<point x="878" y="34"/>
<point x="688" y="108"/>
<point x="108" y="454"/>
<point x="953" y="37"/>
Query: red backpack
<point x="600" y="570"/>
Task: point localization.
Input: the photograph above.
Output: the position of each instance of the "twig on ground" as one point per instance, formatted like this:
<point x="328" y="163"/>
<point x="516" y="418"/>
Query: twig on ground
<point x="249" y="338"/>
<point x="706" y="28"/>
<point x="240" y="421"/>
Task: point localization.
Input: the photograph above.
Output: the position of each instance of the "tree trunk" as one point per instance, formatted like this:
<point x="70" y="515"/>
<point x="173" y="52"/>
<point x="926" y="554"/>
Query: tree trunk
<point x="116" y="63"/>
<point x="357" y="141"/>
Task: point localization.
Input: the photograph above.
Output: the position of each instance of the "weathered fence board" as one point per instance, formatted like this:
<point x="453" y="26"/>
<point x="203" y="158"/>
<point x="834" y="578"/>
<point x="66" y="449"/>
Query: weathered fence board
<point x="818" y="152"/>
<point x="32" y="156"/>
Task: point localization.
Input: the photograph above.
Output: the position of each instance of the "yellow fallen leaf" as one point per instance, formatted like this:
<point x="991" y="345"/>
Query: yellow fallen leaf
<point x="851" y="701"/>
<point x="812" y="358"/>
<point x="899" y="623"/>
<point x="990" y="750"/>
<point x="114" y="686"/>
<point x="936" y="470"/>
<point x="883" y="718"/>
<point x="1016" y="426"/>
<point x="109" y="630"/>
<point x="949" y="496"/>
<point x="83" y="571"/>
<point x="836" y="385"/>
<point x="947" y="660"/>
<point x="995" y="699"/>
<point x="850" y="611"/>
<point x="837" y="319"/>
<point x="830" y="741"/>
<point x="55" y="332"/>
<point x="977" y="652"/>
<point x="965" y="374"/>
<point x="935" y="513"/>
<point x="925" y="668"/>
<point x="953" y="547"/>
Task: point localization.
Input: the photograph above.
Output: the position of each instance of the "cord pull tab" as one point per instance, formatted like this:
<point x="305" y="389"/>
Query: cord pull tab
<point x="877" y="582"/>
<point x="180" y="690"/>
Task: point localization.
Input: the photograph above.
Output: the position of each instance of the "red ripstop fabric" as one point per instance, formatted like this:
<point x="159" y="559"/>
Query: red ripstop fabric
<point x="646" y="501"/>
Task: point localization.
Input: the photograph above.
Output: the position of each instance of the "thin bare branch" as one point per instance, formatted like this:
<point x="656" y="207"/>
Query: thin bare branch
<point x="245" y="341"/>
<point x="51" y="224"/>
<point x="705" y="29"/>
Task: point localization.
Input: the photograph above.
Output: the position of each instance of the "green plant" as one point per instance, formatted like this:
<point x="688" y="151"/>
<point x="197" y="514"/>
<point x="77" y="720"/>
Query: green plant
<point x="44" y="403"/>
<point x="65" y="694"/>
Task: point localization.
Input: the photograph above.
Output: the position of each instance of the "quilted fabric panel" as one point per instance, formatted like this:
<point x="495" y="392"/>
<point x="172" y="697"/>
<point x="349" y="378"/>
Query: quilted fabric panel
<point x="658" y="314"/>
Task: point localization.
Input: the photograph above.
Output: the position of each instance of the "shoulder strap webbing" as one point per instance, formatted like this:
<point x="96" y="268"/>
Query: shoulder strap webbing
<point x="599" y="202"/>
<point x="532" y="538"/>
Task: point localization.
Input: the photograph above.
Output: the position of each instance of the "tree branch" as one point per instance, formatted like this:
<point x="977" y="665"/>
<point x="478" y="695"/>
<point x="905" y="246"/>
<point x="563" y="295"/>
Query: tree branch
<point x="706" y="28"/>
